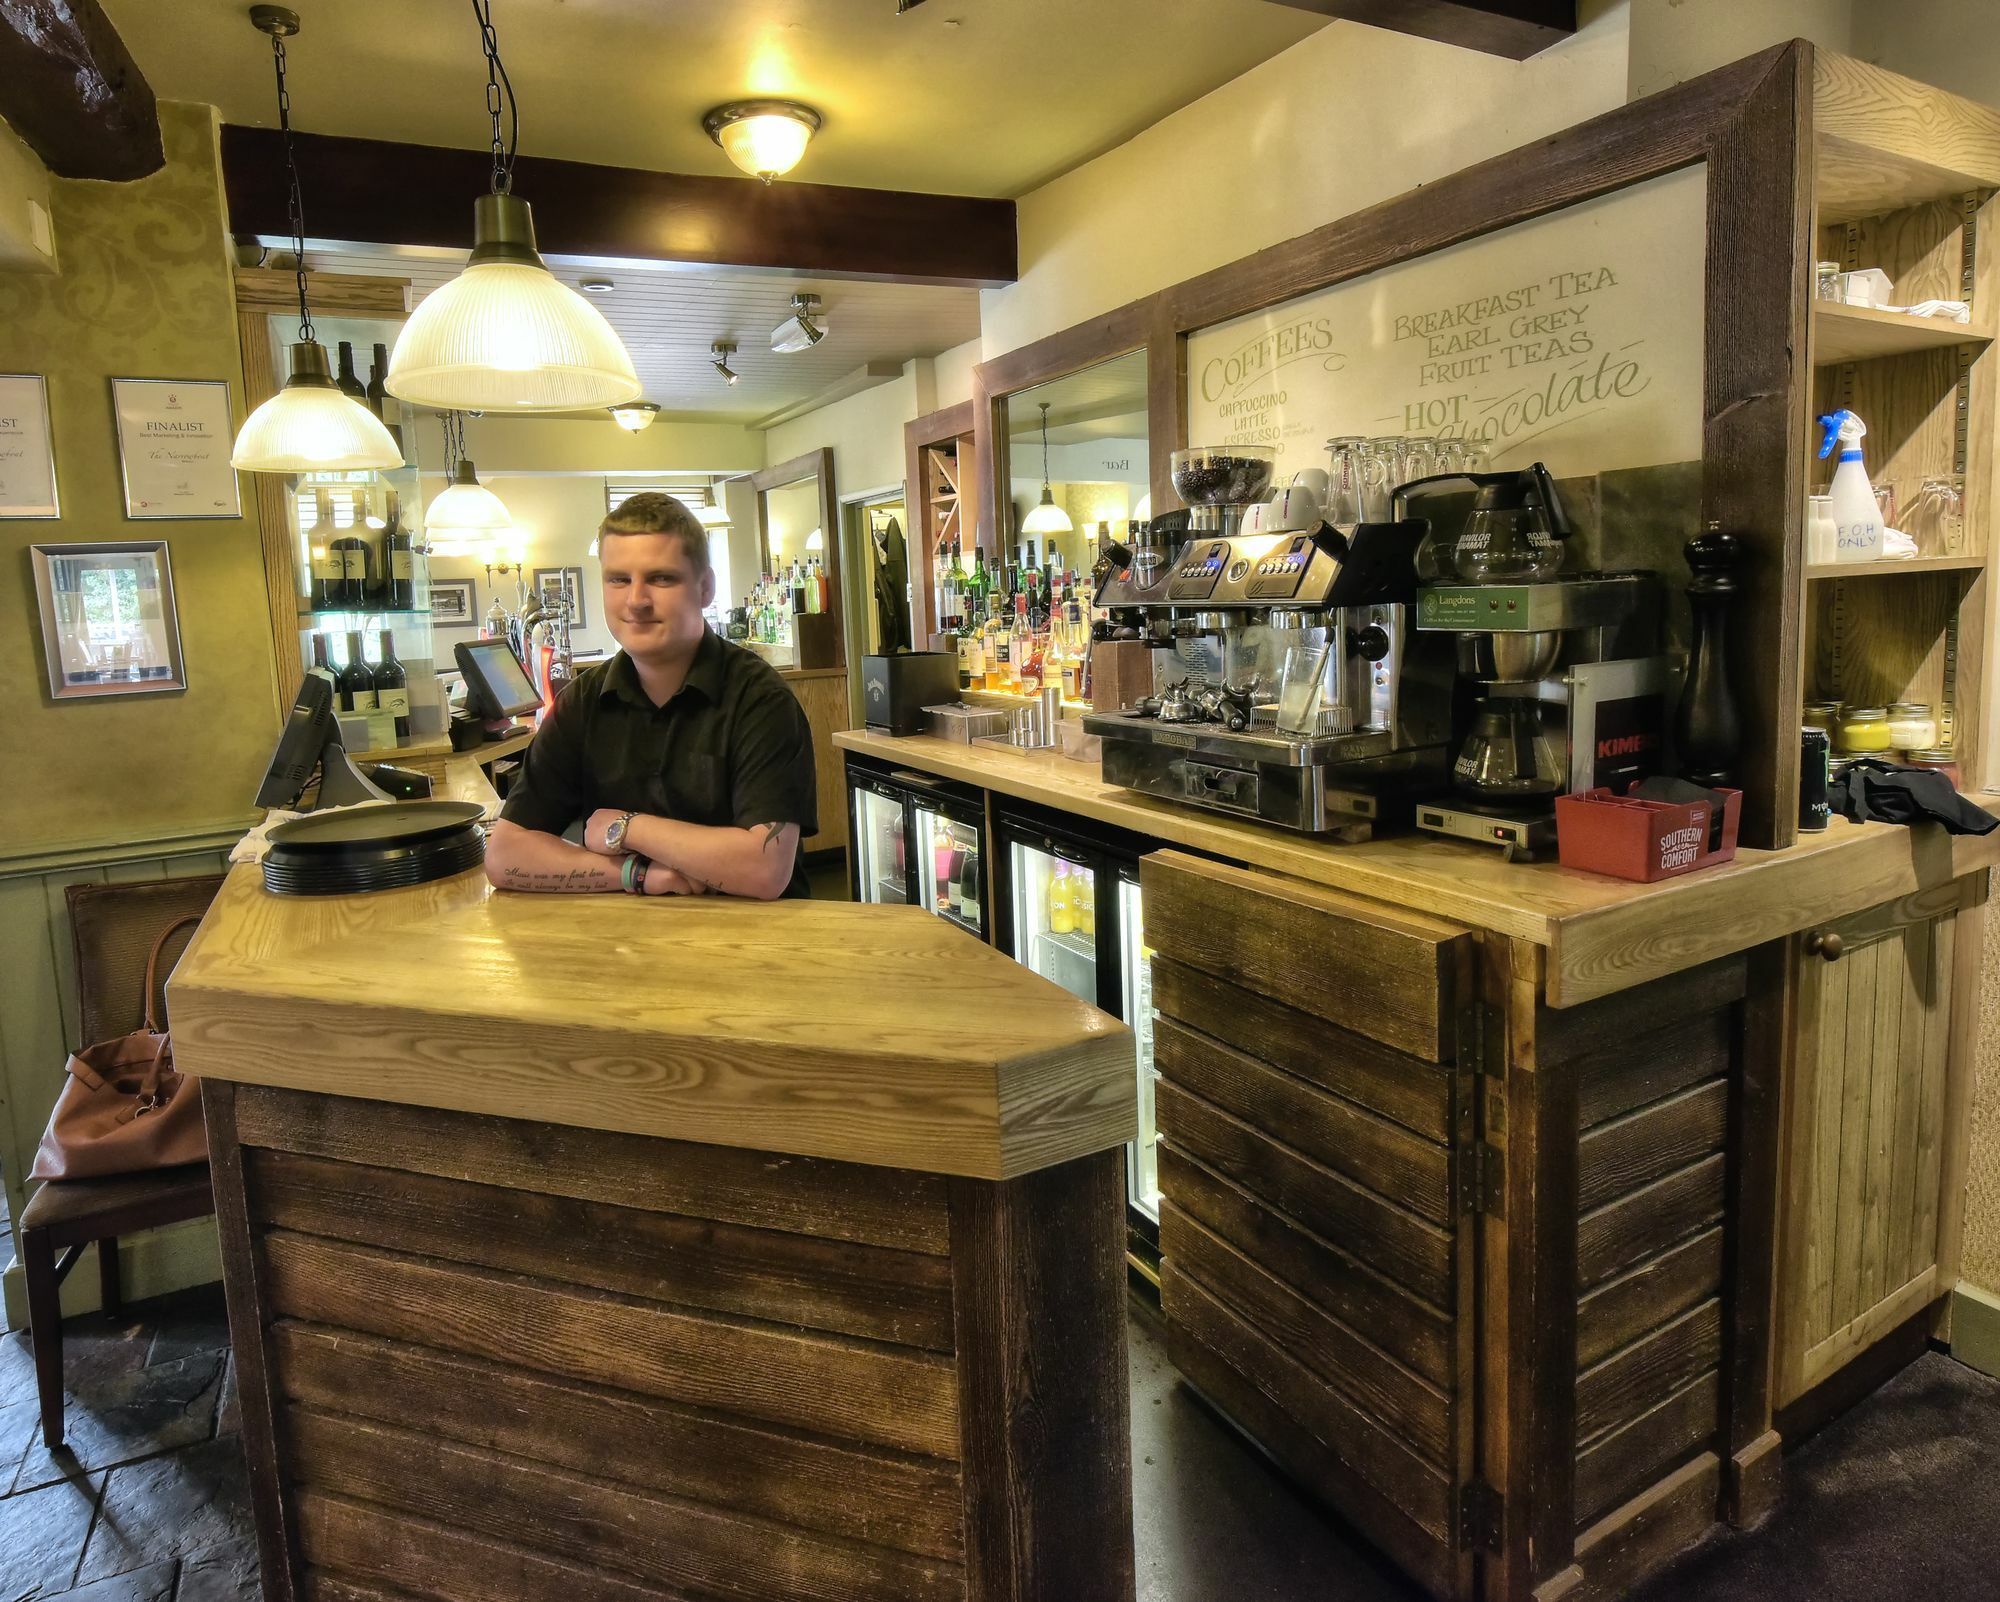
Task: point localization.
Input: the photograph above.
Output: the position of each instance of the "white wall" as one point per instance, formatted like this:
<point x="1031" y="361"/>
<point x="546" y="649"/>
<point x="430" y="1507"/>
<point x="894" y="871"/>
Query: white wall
<point x="952" y="372"/>
<point x="577" y="445"/>
<point x="1674" y="40"/>
<point x="24" y="201"/>
<point x="864" y="430"/>
<point x="1954" y="44"/>
<point x="555" y="519"/>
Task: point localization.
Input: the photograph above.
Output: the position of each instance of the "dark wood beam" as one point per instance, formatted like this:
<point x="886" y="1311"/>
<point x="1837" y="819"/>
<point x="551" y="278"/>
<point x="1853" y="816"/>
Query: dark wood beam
<point x="1516" y="29"/>
<point x="370" y="191"/>
<point x="72" y="91"/>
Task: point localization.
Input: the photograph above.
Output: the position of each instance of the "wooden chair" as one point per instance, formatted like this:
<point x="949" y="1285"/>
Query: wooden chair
<point x="114" y="927"/>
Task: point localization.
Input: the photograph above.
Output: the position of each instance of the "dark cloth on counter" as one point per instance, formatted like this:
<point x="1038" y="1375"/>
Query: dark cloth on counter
<point x="731" y="748"/>
<point x="1880" y="792"/>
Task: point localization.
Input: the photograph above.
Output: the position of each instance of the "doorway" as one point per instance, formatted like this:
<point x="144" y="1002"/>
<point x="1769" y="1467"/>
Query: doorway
<point x="875" y="562"/>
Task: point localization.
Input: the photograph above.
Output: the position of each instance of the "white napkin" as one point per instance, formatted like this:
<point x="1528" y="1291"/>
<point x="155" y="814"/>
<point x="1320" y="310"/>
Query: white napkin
<point x="253" y="846"/>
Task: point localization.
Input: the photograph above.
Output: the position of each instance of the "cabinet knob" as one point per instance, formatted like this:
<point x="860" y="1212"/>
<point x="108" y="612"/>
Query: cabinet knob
<point x="1825" y="943"/>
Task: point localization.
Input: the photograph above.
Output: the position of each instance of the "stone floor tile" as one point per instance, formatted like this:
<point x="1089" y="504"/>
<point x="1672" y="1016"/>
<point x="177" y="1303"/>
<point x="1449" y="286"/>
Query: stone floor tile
<point x="186" y="1323"/>
<point x="153" y="1583"/>
<point x="17" y="1369"/>
<point x="174" y="1506"/>
<point x="221" y="1574"/>
<point x="228" y="1412"/>
<point x="41" y="1536"/>
<point x="136" y="1414"/>
<point x="20" y="1426"/>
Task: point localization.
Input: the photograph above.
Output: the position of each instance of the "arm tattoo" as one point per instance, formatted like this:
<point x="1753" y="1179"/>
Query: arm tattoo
<point x="573" y="880"/>
<point x="771" y="832"/>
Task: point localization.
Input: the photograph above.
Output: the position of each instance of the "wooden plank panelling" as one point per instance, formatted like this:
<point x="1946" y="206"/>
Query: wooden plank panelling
<point x="1387" y="1158"/>
<point x="1647" y="1068"/>
<point x="1368" y="1302"/>
<point x="1409" y="1090"/>
<point x="1612" y="1393"/>
<point x="884" y="1498"/>
<point x="1624" y="1461"/>
<point x="1642" y="1535"/>
<point x="1639" y="1226"/>
<point x="1640" y="1147"/>
<point x="904" y="1297"/>
<point x="1394" y="1242"/>
<point x="1370" y="1454"/>
<point x="891" y="1396"/>
<point x="1371" y="1378"/>
<point x="590" y="1520"/>
<point x="806" y="1195"/>
<point x="1395" y="974"/>
<point x="1643" y="1298"/>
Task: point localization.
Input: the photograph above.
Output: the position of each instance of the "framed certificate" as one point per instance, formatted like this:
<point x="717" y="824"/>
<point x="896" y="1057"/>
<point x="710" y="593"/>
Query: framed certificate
<point x="109" y="626"/>
<point x="174" y="439"/>
<point x="27" y="456"/>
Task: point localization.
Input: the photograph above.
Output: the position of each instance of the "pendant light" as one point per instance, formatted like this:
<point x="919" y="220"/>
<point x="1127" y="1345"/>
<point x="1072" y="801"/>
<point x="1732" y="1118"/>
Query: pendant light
<point x="506" y="334"/>
<point x="309" y="425"/>
<point x="468" y="515"/>
<point x="1047" y="518"/>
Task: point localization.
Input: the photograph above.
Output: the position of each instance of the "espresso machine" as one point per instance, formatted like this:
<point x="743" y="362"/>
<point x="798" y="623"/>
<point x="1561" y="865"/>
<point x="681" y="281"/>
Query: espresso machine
<point x="1290" y="685"/>
<point x="1554" y="693"/>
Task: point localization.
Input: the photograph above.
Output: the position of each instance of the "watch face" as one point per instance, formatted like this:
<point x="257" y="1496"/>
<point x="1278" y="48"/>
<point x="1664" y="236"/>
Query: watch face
<point x="614" y="836"/>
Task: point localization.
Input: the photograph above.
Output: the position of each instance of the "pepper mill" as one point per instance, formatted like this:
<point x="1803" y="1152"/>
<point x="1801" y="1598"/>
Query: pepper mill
<point x="1708" y="729"/>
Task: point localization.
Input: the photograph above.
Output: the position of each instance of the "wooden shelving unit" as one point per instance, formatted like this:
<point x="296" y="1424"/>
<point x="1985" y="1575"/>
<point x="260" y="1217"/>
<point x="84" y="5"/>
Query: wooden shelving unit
<point x="1904" y="179"/>
<point x="940" y="488"/>
<point x="1861" y="333"/>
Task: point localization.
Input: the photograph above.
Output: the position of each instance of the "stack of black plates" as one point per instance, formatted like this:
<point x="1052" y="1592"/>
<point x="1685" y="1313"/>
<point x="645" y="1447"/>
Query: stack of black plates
<point x="373" y="848"/>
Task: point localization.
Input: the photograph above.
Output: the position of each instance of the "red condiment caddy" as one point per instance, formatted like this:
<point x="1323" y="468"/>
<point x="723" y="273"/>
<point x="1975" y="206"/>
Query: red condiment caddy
<point x="1628" y="838"/>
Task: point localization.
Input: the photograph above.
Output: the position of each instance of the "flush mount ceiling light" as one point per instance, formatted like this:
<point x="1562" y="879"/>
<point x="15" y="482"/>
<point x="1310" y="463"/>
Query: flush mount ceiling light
<point x="719" y="354"/>
<point x="468" y="515"/>
<point x="1047" y="518"/>
<point x="596" y="286"/>
<point x="635" y="417"/>
<point x="507" y="334"/>
<point x="805" y="328"/>
<point x="308" y="425"/>
<point x="765" y="138"/>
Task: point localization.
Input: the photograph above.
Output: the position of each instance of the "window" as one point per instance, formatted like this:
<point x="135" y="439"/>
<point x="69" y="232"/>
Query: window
<point x="699" y="493"/>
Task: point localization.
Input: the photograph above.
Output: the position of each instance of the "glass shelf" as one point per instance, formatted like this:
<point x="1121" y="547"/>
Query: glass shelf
<point x="363" y="611"/>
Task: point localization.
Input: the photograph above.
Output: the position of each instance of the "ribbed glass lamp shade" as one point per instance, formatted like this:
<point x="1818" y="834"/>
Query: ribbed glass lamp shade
<point x="310" y="426"/>
<point x="764" y="138"/>
<point x="465" y="507"/>
<point x="1048" y="518"/>
<point x="507" y="335"/>
<point x="1143" y="512"/>
<point x="635" y="417"/>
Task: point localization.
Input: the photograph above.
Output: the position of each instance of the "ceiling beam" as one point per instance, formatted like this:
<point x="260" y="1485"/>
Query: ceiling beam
<point x="371" y="191"/>
<point x="1515" y="29"/>
<point x="72" y="91"/>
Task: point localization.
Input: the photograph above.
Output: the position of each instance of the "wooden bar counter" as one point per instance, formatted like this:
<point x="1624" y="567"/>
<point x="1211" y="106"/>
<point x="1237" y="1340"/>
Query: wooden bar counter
<point x="1523" y="1215"/>
<point x="592" y="1247"/>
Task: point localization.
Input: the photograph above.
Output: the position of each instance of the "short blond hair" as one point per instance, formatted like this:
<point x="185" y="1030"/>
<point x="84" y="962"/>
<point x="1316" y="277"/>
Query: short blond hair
<point x="655" y="513"/>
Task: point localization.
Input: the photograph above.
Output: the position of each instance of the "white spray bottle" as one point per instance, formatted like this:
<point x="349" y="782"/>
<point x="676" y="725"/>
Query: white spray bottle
<point x="1856" y="515"/>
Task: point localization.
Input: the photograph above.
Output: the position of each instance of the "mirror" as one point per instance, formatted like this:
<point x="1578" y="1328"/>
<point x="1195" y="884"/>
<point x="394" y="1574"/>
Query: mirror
<point x="798" y="527"/>
<point x="1096" y="462"/>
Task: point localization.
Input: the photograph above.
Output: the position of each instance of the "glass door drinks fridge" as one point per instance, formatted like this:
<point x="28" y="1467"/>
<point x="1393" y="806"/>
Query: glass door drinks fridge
<point x="879" y="826"/>
<point x="1070" y="910"/>
<point x="951" y="867"/>
<point x="919" y="841"/>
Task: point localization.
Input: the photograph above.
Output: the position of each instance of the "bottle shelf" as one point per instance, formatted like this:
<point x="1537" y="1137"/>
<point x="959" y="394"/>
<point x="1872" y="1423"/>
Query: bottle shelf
<point x="308" y="613"/>
<point x="1843" y="333"/>
<point x="1912" y="564"/>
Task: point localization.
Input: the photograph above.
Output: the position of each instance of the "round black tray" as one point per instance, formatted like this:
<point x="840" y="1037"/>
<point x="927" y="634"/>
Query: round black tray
<point x="374" y="848"/>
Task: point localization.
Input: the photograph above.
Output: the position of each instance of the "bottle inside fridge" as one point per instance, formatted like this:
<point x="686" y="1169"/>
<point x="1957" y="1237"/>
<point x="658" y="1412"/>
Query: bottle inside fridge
<point x="948" y="867"/>
<point x="879" y="851"/>
<point x="1048" y="892"/>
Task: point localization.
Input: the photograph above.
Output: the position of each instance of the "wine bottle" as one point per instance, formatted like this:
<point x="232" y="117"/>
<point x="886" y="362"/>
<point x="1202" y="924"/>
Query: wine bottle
<point x="399" y="582"/>
<point x="380" y="401"/>
<point x="349" y="384"/>
<point x="357" y="684"/>
<point x="968" y="888"/>
<point x="327" y="567"/>
<point x="351" y="552"/>
<point x="322" y="667"/>
<point x="392" y="687"/>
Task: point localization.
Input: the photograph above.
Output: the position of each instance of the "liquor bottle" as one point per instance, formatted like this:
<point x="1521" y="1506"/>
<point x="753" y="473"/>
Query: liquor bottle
<point x="981" y="581"/>
<point x="322" y="666"/>
<point x="1076" y="642"/>
<point x="392" y="687"/>
<point x="327" y="568"/>
<point x="380" y="401"/>
<point x="943" y="845"/>
<point x="350" y="550"/>
<point x="357" y="684"/>
<point x="973" y="644"/>
<point x="998" y="675"/>
<point x="349" y="384"/>
<point x="1021" y="650"/>
<point x="969" y="887"/>
<point x="399" y="553"/>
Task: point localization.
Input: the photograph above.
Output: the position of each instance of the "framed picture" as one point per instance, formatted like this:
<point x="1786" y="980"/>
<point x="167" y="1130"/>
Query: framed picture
<point x="27" y="453"/>
<point x="174" y="439"/>
<point x="452" y="604"/>
<point x="108" y="621"/>
<point x="552" y="583"/>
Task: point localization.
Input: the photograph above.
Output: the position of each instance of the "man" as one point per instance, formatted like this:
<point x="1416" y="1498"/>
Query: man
<point x="687" y="758"/>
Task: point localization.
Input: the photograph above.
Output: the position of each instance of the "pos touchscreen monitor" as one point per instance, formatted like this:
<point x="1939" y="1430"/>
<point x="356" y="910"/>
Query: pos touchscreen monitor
<point x="311" y="740"/>
<point x="496" y="685"/>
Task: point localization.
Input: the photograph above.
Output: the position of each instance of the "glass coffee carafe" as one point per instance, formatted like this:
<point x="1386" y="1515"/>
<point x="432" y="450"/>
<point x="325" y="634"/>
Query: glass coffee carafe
<point x="1509" y="755"/>
<point x="1513" y="535"/>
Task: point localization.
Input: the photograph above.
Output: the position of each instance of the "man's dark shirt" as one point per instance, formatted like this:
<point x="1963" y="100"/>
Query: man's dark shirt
<point x="731" y="747"/>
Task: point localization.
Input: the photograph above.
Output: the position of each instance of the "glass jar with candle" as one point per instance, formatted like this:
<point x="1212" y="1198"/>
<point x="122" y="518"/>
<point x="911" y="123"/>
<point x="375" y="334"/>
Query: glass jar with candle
<point x="1911" y="726"/>
<point x="1941" y="759"/>
<point x="1863" y="731"/>
<point x="1822" y="715"/>
<point x="1826" y="280"/>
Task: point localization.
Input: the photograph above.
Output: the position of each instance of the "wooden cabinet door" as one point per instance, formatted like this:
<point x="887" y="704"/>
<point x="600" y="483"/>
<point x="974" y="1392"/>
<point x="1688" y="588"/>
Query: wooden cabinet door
<point x="1867" y="1130"/>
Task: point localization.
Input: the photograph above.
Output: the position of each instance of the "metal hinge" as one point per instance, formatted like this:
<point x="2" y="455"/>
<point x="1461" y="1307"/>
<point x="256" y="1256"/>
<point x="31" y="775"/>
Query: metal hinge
<point x="1481" y="1041"/>
<point x="1479" y="1507"/>
<point x="1482" y="1186"/>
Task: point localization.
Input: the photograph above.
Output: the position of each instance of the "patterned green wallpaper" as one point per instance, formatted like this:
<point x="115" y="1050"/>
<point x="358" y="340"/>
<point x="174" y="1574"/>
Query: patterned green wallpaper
<point x="144" y="291"/>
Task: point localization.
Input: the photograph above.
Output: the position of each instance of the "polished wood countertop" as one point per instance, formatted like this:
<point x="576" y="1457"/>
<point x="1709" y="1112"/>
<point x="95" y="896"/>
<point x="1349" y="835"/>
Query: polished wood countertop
<point x="869" y="1034"/>
<point x="1602" y="935"/>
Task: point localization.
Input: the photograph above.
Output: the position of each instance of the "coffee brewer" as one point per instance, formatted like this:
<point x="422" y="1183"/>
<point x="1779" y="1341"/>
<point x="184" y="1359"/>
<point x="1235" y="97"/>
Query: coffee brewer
<point x="1231" y="615"/>
<point x="1552" y="697"/>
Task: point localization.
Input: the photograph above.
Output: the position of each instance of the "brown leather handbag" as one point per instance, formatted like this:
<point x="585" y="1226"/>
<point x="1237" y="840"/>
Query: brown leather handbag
<point x="123" y="1108"/>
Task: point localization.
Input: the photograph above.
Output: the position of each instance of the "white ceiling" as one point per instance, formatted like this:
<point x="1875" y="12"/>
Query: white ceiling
<point x="979" y="97"/>
<point x="668" y="318"/>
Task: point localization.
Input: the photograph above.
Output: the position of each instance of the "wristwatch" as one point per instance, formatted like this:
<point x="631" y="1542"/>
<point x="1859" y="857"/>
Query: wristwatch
<point x="614" y="833"/>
